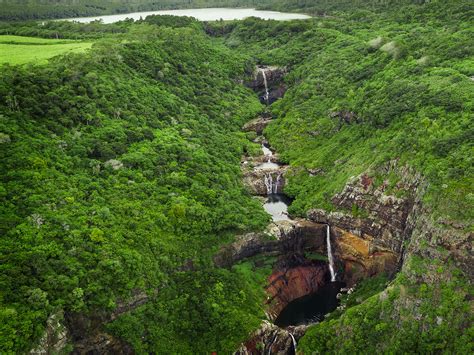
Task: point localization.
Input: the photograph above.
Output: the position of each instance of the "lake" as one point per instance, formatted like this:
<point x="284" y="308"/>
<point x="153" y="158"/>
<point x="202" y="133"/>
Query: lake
<point x="211" y="14"/>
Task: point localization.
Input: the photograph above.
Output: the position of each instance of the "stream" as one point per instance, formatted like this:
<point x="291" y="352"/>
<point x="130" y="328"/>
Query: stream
<point x="312" y="307"/>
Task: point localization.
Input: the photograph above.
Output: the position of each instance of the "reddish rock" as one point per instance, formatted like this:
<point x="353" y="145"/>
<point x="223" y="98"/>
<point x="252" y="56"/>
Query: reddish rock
<point x="288" y="285"/>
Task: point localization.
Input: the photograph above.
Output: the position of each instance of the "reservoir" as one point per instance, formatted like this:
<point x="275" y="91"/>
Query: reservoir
<point x="209" y="14"/>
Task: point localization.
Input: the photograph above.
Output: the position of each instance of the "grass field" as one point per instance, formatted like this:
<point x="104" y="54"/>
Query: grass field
<point x="21" y="50"/>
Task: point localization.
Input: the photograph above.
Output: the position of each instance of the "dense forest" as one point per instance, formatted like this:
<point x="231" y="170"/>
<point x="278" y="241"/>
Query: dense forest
<point x="121" y="170"/>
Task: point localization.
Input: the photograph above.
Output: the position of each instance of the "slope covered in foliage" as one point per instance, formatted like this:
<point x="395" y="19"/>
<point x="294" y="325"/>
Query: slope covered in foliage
<point x="367" y="88"/>
<point x="120" y="174"/>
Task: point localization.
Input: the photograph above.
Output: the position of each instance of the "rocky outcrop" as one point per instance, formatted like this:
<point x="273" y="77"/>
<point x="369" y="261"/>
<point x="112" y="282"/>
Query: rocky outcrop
<point x="258" y="180"/>
<point x="280" y="238"/>
<point x="271" y="339"/>
<point x="372" y="243"/>
<point x="289" y="284"/>
<point x="274" y="78"/>
<point x="257" y="125"/>
<point x="55" y="337"/>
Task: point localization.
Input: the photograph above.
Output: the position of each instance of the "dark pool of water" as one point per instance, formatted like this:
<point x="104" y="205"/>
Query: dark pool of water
<point x="310" y="308"/>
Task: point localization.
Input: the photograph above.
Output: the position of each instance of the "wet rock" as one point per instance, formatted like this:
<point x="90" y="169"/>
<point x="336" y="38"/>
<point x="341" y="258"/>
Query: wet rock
<point x="270" y="339"/>
<point x="257" y="125"/>
<point x="257" y="180"/>
<point x="287" y="285"/>
<point x="281" y="238"/>
<point x="372" y="243"/>
<point x="274" y="77"/>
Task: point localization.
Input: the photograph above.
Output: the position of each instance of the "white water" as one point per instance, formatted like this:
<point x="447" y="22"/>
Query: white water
<point x="268" y="165"/>
<point x="268" y="179"/>
<point x="270" y="184"/>
<point x="294" y="342"/>
<point x="271" y="344"/>
<point x="209" y="14"/>
<point x="330" y="257"/>
<point x="267" y="93"/>
<point x="268" y="153"/>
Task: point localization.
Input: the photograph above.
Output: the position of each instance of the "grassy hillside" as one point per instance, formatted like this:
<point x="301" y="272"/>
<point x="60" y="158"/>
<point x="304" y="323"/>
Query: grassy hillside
<point x="366" y="88"/>
<point x="120" y="171"/>
<point x="21" y="50"/>
<point x="120" y="174"/>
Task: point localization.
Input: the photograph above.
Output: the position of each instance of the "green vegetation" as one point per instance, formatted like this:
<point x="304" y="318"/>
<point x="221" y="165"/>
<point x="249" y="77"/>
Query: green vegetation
<point x="366" y="88"/>
<point x="120" y="166"/>
<point x="20" y="50"/>
<point x="409" y="316"/>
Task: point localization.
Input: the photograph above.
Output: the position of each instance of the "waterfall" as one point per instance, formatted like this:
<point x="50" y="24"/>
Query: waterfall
<point x="294" y="341"/>
<point x="270" y="346"/>
<point x="275" y="186"/>
<point x="267" y="94"/>
<point x="330" y="257"/>
<point x="267" y="152"/>
<point x="269" y="183"/>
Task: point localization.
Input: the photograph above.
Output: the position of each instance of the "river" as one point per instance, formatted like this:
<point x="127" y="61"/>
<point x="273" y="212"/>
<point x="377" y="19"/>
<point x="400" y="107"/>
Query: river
<point x="209" y="14"/>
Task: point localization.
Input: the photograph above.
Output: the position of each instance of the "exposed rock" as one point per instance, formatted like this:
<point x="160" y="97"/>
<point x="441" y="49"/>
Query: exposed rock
<point x="270" y="339"/>
<point x="274" y="77"/>
<point x="55" y="337"/>
<point x="344" y="117"/>
<point x="257" y="125"/>
<point x="280" y="238"/>
<point x="287" y="285"/>
<point x="255" y="180"/>
<point x="374" y="243"/>
<point x="361" y="257"/>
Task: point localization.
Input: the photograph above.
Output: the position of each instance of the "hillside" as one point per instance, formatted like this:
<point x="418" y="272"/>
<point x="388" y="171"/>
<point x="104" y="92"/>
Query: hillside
<point x="128" y="222"/>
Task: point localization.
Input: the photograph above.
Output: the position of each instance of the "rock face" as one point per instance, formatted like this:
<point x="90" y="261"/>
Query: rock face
<point x="289" y="284"/>
<point x="274" y="78"/>
<point x="259" y="180"/>
<point x="270" y="339"/>
<point x="55" y="337"/>
<point x="257" y="125"/>
<point x="281" y="239"/>
<point x="371" y="244"/>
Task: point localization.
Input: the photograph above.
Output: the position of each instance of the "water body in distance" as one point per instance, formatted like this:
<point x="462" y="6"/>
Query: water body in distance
<point x="212" y="14"/>
<point x="277" y="207"/>
<point x="310" y="308"/>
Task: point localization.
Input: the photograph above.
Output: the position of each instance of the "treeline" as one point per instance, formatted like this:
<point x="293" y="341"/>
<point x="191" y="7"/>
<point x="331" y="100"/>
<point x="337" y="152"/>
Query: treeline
<point x="14" y="10"/>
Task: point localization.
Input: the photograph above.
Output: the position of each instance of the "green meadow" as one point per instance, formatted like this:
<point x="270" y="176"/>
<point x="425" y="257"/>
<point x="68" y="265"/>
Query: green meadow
<point x="21" y="50"/>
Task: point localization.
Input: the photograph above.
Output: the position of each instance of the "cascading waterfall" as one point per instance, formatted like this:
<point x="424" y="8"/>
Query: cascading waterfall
<point x="294" y="342"/>
<point x="275" y="186"/>
<point x="330" y="257"/>
<point x="270" y="184"/>
<point x="267" y="93"/>
<point x="271" y="344"/>
<point x="268" y="153"/>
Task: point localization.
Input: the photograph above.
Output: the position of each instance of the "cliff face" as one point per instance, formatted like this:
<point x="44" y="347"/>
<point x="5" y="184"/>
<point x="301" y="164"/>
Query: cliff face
<point x="283" y="239"/>
<point x="273" y="76"/>
<point x="371" y="238"/>
<point x="270" y="339"/>
<point x="286" y="285"/>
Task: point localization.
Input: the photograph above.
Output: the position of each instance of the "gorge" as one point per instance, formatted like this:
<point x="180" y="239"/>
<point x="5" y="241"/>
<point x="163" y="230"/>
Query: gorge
<point x="251" y="186"/>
